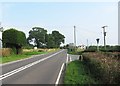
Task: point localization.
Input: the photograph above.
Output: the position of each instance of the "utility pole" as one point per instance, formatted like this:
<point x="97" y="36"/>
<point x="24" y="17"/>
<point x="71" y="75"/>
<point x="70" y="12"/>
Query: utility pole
<point x="1" y="30"/>
<point x="87" y="43"/>
<point x="75" y="37"/>
<point x="104" y="33"/>
<point x="44" y="41"/>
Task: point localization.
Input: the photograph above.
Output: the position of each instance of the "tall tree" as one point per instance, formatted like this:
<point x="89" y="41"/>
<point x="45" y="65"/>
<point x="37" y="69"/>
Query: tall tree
<point x="58" y="38"/>
<point x="38" y="36"/>
<point x="14" y="39"/>
<point x="50" y="41"/>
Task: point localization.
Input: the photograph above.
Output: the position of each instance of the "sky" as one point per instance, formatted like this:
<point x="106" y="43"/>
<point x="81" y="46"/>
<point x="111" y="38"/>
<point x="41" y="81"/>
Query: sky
<point x="88" y="17"/>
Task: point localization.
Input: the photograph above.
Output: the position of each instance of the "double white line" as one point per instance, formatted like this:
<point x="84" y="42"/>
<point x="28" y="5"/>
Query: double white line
<point x="26" y="66"/>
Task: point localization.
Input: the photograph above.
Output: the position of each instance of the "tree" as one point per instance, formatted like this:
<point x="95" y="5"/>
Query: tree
<point x="38" y="36"/>
<point x="50" y="41"/>
<point x="14" y="39"/>
<point x="58" y="38"/>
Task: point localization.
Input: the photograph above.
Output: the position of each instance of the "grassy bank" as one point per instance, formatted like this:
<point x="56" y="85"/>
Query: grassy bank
<point x="15" y="57"/>
<point x="77" y="73"/>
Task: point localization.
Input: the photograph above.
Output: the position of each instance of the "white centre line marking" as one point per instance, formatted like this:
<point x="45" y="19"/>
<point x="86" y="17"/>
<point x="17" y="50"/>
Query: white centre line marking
<point x="26" y="66"/>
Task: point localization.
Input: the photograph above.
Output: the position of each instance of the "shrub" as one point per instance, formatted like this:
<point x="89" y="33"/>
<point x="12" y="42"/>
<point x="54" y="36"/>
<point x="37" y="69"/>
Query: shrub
<point x="13" y="39"/>
<point x="105" y="69"/>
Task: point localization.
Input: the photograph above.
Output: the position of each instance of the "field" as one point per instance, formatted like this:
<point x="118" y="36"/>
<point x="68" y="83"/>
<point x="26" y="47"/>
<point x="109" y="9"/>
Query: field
<point x="8" y="57"/>
<point x="18" y="57"/>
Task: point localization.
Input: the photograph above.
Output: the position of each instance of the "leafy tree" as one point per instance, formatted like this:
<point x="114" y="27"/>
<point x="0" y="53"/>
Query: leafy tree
<point x="50" y="41"/>
<point x="38" y="36"/>
<point x="13" y="39"/>
<point x="58" y="38"/>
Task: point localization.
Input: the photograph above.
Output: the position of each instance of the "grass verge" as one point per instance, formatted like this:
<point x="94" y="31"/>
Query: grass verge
<point x="77" y="73"/>
<point x="18" y="57"/>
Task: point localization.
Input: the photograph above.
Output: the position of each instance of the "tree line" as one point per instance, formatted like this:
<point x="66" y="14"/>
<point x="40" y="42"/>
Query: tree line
<point x="38" y="37"/>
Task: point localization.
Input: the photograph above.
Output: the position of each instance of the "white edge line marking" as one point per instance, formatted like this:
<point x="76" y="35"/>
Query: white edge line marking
<point x="70" y="59"/>
<point x="58" y="78"/>
<point x="67" y="58"/>
<point x="26" y="66"/>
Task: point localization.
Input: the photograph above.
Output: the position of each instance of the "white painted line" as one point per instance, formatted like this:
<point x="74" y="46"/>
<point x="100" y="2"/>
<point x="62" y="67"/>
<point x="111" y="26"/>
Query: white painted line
<point x="26" y="66"/>
<point x="70" y="59"/>
<point x="58" y="78"/>
<point x="67" y="58"/>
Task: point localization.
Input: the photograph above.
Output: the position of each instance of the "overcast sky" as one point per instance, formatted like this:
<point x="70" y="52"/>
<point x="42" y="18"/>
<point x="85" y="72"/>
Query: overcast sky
<point x="88" y="17"/>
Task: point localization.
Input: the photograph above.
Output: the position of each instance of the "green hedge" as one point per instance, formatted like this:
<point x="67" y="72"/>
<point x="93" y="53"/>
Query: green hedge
<point x="101" y="48"/>
<point x="101" y="71"/>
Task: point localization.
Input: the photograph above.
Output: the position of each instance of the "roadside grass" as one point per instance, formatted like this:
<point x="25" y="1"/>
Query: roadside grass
<point x="15" y="57"/>
<point x="77" y="73"/>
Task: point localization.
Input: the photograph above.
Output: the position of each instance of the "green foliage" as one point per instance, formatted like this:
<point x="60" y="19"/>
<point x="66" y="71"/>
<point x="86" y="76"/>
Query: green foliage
<point x="50" y="41"/>
<point x="112" y="48"/>
<point x="38" y="36"/>
<point x="41" y="39"/>
<point x="9" y="36"/>
<point x="77" y="73"/>
<point x="28" y="46"/>
<point x="58" y="38"/>
<point x="13" y="36"/>
<point x="95" y="68"/>
<point x="102" y="48"/>
<point x="91" y="49"/>
<point x="103" y="68"/>
<point x="21" y="38"/>
<point x="13" y="39"/>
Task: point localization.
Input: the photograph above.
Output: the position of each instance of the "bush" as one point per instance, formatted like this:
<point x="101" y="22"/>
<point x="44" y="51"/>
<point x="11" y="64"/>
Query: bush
<point x="110" y="48"/>
<point x="104" y="69"/>
<point x="91" y="49"/>
<point x="13" y="39"/>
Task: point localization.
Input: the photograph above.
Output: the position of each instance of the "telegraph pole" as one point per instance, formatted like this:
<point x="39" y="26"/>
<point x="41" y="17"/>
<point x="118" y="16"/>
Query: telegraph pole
<point x="1" y="30"/>
<point x="104" y="33"/>
<point x="75" y="37"/>
<point x="87" y="43"/>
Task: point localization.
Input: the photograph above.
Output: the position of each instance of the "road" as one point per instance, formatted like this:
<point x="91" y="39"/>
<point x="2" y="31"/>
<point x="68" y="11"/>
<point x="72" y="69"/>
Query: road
<point x="43" y="70"/>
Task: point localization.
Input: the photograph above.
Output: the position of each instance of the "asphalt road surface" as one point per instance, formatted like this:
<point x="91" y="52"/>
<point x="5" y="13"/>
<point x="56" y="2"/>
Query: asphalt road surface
<point x="43" y="70"/>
